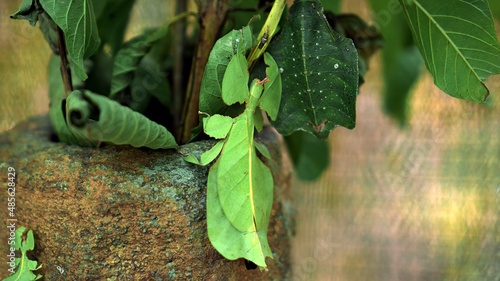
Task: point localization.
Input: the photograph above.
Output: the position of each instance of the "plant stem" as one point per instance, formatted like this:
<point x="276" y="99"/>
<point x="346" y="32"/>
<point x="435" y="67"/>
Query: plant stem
<point x="178" y="75"/>
<point x="266" y="32"/>
<point x="212" y="16"/>
<point x="65" y="70"/>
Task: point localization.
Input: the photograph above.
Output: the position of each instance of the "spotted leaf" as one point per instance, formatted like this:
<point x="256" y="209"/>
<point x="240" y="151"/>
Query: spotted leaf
<point x="319" y="71"/>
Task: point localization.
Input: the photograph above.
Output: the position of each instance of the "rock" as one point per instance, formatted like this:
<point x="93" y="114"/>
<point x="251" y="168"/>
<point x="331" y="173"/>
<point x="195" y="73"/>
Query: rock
<point x="123" y="213"/>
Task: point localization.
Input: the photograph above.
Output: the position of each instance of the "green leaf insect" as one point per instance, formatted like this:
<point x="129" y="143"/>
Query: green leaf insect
<point x="240" y="186"/>
<point x="99" y="119"/>
<point x="24" y="266"/>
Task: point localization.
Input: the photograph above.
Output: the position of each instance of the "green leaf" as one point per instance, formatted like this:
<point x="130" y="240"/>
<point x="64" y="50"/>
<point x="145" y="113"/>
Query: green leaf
<point x="400" y="76"/>
<point x="271" y="98"/>
<point x="77" y="21"/>
<point x="319" y="71"/>
<point x="241" y="179"/>
<point x="310" y="155"/>
<point x="235" y="82"/>
<point x="112" y="21"/>
<point x="228" y="240"/>
<point x="458" y="43"/>
<point x="24" y="266"/>
<point x="27" y="11"/>
<point x="217" y="126"/>
<point x="100" y="119"/>
<point x="127" y="61"/>
<point x="220" y="56"/>
<point x="402" y="62"/>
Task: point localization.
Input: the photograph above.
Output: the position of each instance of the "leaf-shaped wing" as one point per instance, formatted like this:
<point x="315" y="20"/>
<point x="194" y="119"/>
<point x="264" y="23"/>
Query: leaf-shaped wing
<point x="458" y="42"/>
<point x="77" y="21"/>
<point x="228" y="240"/>
<point x="103" y="120"/>
<point x="319" y="71"/>
<point x="241" y="180"/>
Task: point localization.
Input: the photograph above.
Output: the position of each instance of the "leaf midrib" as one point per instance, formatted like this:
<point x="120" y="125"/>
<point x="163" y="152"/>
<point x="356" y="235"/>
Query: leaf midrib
<point x="452" y="43"/>
<point x="302" y="45"/>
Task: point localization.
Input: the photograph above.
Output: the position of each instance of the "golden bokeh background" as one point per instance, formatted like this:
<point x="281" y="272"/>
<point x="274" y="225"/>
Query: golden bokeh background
<point x="419" y="203"/>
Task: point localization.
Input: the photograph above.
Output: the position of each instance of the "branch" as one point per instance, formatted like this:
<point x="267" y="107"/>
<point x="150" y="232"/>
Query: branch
<point x="65" y="70"/>
<point x="212" y="16"/>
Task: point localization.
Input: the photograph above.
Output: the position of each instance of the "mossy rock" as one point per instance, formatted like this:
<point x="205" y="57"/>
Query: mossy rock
<point x="123" y="213"/>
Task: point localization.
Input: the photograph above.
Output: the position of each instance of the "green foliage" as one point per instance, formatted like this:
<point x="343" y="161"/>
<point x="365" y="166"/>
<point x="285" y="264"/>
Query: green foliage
<point x="310" y="156"/>
<point x="402" y="62"/>
<point x="24" y="266"/>
<point x="312" y="73"/>
<point x="222" y="52"/>
<point x="98" y="119"/>
<point x="320" y="73"/>
<point x="459" y="45"/>
<point x="78" y="23"/>
<point x="112" y="17"/>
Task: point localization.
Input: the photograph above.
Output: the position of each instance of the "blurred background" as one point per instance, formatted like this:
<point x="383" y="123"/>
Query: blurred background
<point x="415" y="203"/>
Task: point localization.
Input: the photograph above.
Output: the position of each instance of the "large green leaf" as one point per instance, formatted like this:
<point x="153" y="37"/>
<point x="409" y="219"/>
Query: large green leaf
<point x="319" y="70"/>
<point x="220" y="56"/>
<point x="77" y="21"/>
<point x="100" y="119"/>
<point x="458" y="42"/>
<point x="310" y="155"/>
<point x="228" y="240"/>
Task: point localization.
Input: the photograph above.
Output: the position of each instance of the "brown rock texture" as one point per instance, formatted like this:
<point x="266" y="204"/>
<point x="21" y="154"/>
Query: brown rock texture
<point x="123" y="213"/>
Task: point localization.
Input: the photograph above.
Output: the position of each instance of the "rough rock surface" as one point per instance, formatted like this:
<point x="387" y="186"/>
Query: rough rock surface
<point x="122" y="213"/>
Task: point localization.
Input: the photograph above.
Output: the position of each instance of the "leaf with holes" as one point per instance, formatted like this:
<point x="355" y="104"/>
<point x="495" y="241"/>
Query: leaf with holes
<point x="319" y="72"/>
<point x="459" y="44"/>
<point x="100" y="119"/>
<point x="77" y="21"/>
